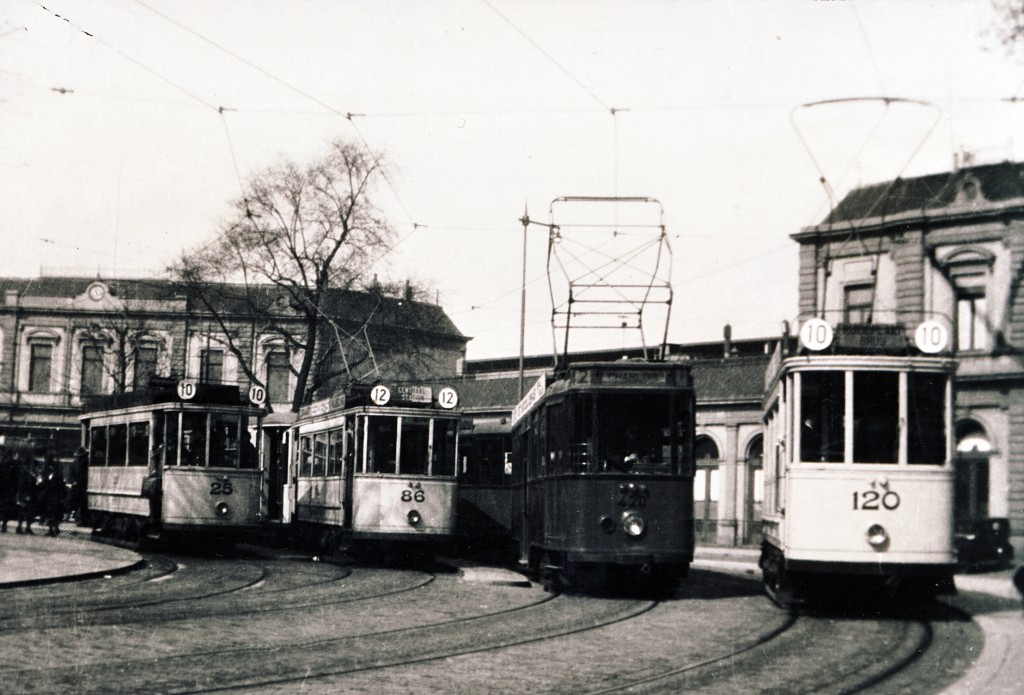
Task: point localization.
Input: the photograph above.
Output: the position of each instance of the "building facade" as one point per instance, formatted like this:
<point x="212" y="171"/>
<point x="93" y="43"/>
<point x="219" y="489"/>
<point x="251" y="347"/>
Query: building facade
<point x="63" y="339"/>
<point x="947" y="247"/>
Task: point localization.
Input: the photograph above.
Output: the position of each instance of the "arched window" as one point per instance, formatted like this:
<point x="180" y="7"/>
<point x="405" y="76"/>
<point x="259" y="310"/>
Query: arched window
<point x="706" y="487"/>
<point x="755" y="488"/>
<point x="970" y="497"/>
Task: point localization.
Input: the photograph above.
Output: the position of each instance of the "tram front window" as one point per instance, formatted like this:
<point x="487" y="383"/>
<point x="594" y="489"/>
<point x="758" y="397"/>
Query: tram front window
<point x="224" y="441"/>
<point x="444" y="447"/>
<point x="926" y="418"/>
<point x="193" y="439"/>
<point x="634" y="433"/>
<point x="381" y="438"/>
<point x="876" y="417"/>
<point x="822" y="402"/>
<point x="415" y="440"/>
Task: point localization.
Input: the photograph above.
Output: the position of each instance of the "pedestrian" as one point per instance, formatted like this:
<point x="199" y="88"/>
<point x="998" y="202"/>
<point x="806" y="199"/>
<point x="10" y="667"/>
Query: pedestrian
<point x="8" y="489"/>
<point x="52" y="493"/>
<point x="79" y="483"/>
<point x="25" y="496"/>
<point x="1018" y="580"/>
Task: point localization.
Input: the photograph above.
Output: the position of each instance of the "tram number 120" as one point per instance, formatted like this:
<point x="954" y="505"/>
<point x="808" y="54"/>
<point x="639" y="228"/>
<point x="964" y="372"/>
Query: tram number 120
<point x="872" y="500"/>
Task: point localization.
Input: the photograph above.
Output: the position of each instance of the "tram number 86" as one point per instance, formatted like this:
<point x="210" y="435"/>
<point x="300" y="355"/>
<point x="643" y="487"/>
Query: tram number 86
<point x="413" y="495"/>
<point x="872" y="500"/>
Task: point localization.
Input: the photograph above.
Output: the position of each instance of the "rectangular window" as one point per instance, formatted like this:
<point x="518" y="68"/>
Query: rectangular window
<point x="822" y="407"/>
<point x="138" y="444"/>
<point x="926" y="419"/>
<point x="212" y="366"/>
<point x="334" y="451"/>
<point x="117" y="446"/>
<point x="40" y="362"/>
<point x="98" y="446"/>
<point x="857" y="303"/>
<point x="382" y="441"/>
<point x="876" y="417"/>
<point x="319" y="454"/>
<point x="145" y="366"/>
<point x="278" y="375"/>
<point x="171" y="439"/>
<point x="443" y="462"/>
<point x="306" y="456"/>
<point x="193" y="439"/>
<point x="224" y="440"/>
<point x="972" y="321"/>
<point x="92" y="369"/>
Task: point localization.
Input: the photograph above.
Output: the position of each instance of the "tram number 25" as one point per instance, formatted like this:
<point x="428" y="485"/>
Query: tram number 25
<point x="221" y="487"/>
<point x="413" y="495"/>
<point x="870" y="500"/>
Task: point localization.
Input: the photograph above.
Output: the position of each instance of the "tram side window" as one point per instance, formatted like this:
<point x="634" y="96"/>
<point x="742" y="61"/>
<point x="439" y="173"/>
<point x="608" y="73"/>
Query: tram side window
<point x="193" y="439"/>
<point x="319" y="454"/>
<point x="138" y="444"/>
<point x="926" y="418"/>
<point x="876" y="417"/>
<point x="382" y="438"/>
<point x="117" y="446"/>
<point x="306" y="456"/>
<point x="224" y="441"/>
<point x="334" y="451"/>
<point x="171" y="439"/>
<point x="822" y="403"/>
<point x="415" y="439"/>
<point x="558" y="461"/>
<point x="444" y="447"/>
<point x="581" y="448"/>
<point x="98" y="446"/>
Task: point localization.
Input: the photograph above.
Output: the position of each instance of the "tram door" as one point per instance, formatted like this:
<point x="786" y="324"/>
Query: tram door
<point x="277" y="470"/>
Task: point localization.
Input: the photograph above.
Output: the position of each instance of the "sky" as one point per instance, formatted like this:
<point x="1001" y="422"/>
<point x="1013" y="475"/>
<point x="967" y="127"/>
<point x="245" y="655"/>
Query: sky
<point x="128" y="126"/>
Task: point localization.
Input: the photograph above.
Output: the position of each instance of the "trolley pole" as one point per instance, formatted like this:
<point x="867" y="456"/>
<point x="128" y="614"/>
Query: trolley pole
<point x="525" y="219"/>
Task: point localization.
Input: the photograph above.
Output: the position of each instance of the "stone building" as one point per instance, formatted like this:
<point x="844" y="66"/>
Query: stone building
<point x="63" y="338"/>
<point x="949" y="247"/>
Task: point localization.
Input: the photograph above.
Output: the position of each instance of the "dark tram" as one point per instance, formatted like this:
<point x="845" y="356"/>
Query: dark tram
<point x="602" y="460"/>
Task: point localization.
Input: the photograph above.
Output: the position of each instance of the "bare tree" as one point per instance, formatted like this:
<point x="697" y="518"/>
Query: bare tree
<point x="1009" y="27"/>
<point x="297" y="236"/>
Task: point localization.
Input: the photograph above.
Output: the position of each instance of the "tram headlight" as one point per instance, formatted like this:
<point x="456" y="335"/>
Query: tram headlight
<point x="633" y="524"/>
<point x="222" y="509"/>
<point x="878" y="537"/>
<point x="414" y="517"/>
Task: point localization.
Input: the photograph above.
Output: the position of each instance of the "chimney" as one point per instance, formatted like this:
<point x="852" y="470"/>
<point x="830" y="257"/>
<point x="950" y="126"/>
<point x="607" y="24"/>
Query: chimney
<point x="11" y="297"/>
<point x="727" y="333"/>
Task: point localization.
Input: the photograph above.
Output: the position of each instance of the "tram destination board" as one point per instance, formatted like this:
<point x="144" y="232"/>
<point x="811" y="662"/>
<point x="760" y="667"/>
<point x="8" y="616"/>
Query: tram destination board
<point x="622" y="377"/>
<point x="884" y="339"/>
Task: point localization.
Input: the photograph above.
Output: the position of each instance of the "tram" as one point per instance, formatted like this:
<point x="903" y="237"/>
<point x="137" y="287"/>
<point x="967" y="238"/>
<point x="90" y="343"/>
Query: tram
<point x="376" y="464"/>
<point x="602" y="458"/>
<point x="177" y="458"/>
<point x="858" y="464"/>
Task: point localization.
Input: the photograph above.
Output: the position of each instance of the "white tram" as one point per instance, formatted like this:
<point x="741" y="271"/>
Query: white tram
<point x="858" y="464"/>
<point x="376" y="463"/>
<point x="178" y="457"/>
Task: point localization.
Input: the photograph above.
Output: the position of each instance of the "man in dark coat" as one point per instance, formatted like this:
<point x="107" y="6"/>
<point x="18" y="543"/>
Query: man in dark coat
<point x="25" y="496"/>
<point x="52" y="495"/>
<point x="8" y="489"/>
